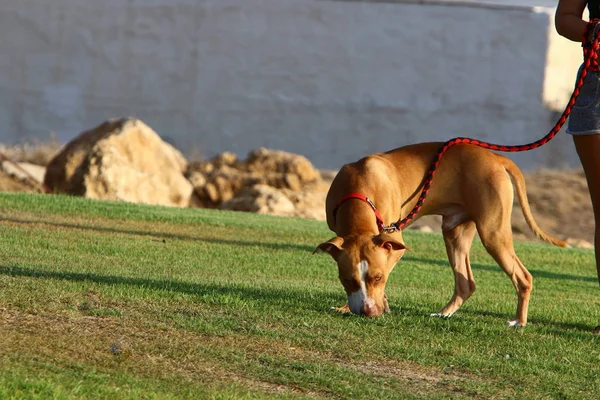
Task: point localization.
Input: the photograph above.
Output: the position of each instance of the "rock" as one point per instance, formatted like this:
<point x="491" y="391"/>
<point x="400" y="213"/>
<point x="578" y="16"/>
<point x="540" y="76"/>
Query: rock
<point x="25" y="171"/>
<point x="292" y="182"/>
<point x="560" y="203"/>
<point x="211" y="193"/>
<point x="425" y="229"/>
<point x="427" y="224"/>
<point x="121" y="159"/>
<point x="583" y="244"/>
<point x="225" y="176"/>
<point x="196" y="178"/>
<point x="9" y="183"/>
<point x="261" y="199"/>
<point x="309" y="202"/>
<point x="23" y="174"/>
<point x="225" y="159"/>
<point x="265" y="161"/>
<point x="328" y="174"/>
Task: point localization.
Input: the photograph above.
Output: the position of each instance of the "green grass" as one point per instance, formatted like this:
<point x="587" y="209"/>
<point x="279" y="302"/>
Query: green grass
<point x="114" y="300"/>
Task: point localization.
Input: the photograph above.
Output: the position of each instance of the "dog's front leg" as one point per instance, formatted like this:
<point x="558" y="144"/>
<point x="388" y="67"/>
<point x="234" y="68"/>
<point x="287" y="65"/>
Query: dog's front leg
<point x="458" y="242"/>
<point x="386" y="306"/>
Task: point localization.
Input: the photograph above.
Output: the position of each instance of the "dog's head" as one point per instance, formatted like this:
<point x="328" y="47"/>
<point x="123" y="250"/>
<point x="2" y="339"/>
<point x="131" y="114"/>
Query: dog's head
<point x="364" y="264"/>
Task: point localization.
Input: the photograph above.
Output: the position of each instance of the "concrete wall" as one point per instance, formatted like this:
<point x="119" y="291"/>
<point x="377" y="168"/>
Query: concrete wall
<point x="333" y="80"/>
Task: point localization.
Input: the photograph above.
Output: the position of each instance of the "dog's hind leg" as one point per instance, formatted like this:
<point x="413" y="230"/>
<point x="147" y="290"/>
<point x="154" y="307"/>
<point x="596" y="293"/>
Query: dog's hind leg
<point x="498" y="242"/>
<point x="491" y="207"/>
<point x="458" y="241"/>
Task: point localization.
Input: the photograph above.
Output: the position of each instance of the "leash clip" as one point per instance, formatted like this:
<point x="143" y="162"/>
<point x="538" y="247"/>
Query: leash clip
<point x="390" y="229"/>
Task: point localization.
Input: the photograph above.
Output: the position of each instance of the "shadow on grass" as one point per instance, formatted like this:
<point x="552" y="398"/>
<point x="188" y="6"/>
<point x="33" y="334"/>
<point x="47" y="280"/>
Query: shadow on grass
<point x="288" y="298"/>
<point x="546" y="324"/>
<point x="163" y="235"/>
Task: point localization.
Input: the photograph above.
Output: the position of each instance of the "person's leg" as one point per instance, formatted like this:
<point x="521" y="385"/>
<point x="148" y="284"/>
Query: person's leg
<point x="588" y="149"/>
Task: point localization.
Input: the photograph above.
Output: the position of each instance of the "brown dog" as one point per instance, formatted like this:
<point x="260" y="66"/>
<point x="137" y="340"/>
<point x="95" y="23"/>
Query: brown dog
<point x="471" y="190"/>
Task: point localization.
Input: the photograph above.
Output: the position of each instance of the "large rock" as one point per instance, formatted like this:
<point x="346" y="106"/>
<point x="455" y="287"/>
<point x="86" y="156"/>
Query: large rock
<point x="121" y="159"/>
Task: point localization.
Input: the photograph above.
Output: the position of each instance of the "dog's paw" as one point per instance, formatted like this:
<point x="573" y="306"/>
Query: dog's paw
<point x="514" y="323"/>
<point x="345" y="309"/>
<point x="440" y="315"/>
<point x="386" y="306"/>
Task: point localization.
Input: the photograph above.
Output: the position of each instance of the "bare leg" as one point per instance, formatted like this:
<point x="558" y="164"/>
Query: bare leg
<point x="458" y="244"/>
<point x="588" y="149"/>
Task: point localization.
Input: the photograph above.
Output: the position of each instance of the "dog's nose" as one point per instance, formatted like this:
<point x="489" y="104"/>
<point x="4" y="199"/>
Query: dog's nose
<point x="370" y="310"/>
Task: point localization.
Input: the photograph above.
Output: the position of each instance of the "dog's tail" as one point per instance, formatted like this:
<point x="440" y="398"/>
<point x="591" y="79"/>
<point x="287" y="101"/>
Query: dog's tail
<point x="519" y="183"/>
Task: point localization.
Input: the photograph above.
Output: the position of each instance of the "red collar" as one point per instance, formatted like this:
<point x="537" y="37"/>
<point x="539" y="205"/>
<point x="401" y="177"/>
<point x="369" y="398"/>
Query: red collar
<point x="380" y="225"/>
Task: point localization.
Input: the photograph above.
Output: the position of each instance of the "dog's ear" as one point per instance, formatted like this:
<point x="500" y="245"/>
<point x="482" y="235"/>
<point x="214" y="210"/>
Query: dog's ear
<point x="389" y="242"/>
<point x="332" y="246"/>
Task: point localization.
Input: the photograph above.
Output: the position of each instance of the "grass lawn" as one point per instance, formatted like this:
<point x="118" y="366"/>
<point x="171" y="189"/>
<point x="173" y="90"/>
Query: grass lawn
<point x="121" y="301"/>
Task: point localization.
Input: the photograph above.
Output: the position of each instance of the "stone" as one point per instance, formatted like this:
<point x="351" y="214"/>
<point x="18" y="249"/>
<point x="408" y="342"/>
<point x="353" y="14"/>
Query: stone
<point x="267" y="161"/>
<point x="121" y="159"/>
<point x="224" y="176"/>
<point x="261" y="199"/>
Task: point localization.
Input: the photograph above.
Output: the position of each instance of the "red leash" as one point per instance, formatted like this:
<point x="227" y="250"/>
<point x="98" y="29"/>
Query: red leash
<point x="590" y="52"/>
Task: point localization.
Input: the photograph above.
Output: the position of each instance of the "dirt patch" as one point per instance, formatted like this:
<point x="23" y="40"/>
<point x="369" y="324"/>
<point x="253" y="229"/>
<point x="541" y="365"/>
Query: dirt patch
<point x="560" y="203"/>
<point x="165" y="352"/>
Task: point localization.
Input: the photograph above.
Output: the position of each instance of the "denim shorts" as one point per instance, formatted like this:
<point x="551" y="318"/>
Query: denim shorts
<point x="585" y="115"/>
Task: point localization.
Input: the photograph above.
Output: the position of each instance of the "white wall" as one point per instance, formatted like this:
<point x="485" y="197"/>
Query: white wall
<point x="333" y="80"/>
